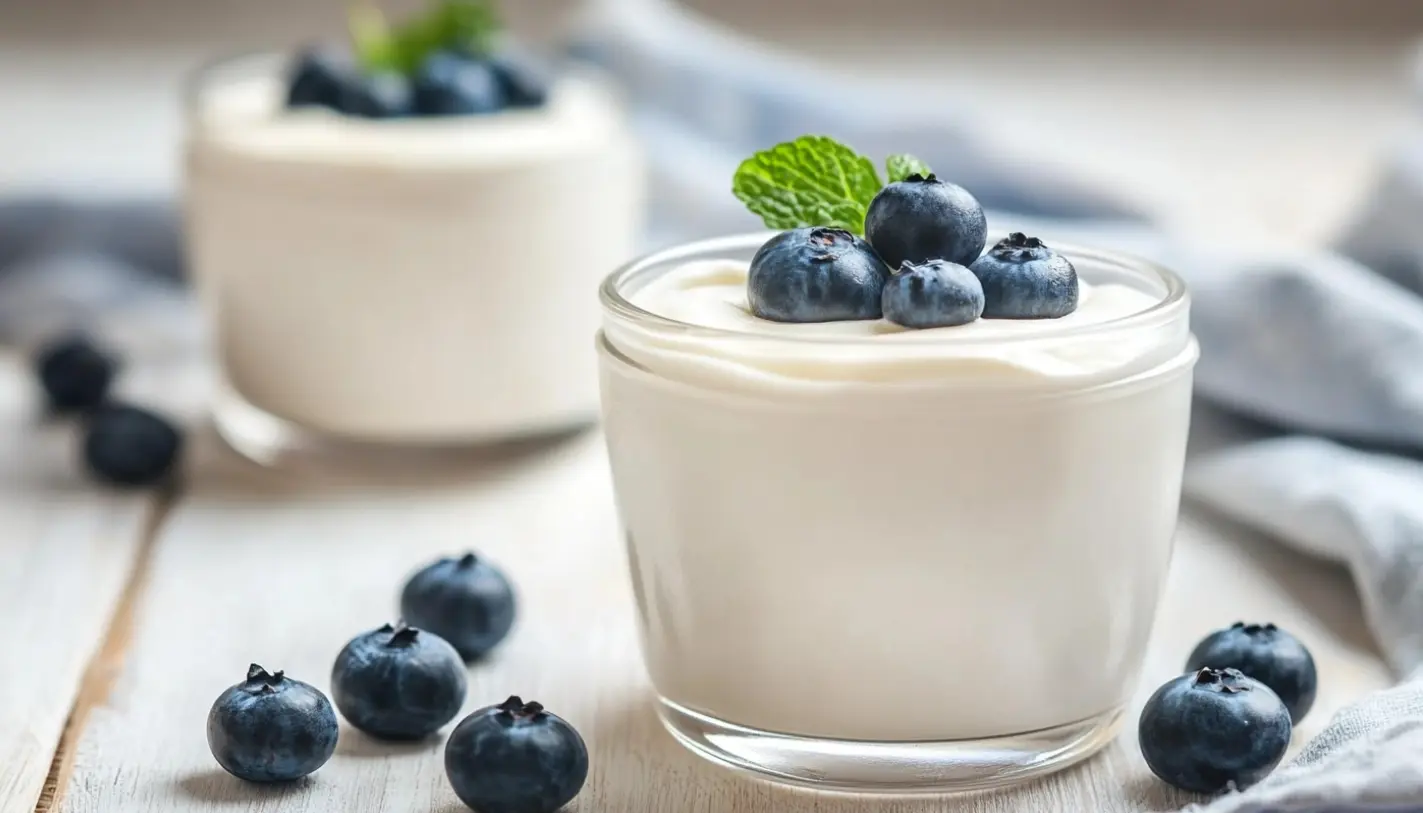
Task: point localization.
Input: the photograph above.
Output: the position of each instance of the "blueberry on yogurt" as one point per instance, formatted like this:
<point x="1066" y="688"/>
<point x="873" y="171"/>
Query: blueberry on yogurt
<point x="924" y="218"/>
<point x="816" y="274"/>
<point x="464" y="600"/>
<point x="936" y="293"/>
<point x="318" y="77"/>
<point x="1024" y="279"/>
<point x="515" y="757"/>
<point x="270" y="728"/>
<point x="1266" y="653"/>
<point x="378" y="95"/>
<point x="1212" y="730"/>
<point x="398" y="682"/>
<point x="451" y="84"/>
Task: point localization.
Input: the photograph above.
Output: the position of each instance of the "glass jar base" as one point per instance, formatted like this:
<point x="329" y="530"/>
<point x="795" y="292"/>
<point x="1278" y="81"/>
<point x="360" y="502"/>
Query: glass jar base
<point x="273" y="442"/>
<point x="924" y="768"/>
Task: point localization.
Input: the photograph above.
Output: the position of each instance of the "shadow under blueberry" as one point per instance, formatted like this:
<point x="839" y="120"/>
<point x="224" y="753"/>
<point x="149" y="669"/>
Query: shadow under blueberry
<point x="215" y="786"/>
<point x="356" y="744"/>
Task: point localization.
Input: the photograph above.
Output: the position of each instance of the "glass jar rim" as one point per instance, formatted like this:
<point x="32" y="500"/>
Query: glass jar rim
<point x="1169" y="306"/>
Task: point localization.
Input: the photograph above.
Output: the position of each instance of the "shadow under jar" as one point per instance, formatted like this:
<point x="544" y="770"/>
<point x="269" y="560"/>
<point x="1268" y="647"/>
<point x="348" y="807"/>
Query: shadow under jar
<point x="410" y="284"/>
<point x="875" y="560"/>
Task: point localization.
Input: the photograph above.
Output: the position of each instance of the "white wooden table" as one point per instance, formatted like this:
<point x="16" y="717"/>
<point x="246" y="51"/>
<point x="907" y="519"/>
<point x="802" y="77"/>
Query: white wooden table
<point x="128" y="614"/>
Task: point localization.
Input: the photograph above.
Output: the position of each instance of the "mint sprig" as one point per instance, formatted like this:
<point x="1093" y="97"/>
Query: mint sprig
<point x="469" y="26"/>
<point x="815" y="181"/>
<point x="901" y="166"/>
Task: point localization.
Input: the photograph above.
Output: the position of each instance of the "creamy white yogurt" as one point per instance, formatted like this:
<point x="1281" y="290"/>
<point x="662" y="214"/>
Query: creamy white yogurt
<point x="854" y="531"/>
<point x="412" y="280"/>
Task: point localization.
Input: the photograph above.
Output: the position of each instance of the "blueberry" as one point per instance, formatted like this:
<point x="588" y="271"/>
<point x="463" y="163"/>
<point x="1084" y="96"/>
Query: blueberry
<point x="75" y="373"/>
<point x="1214" y="729"/>
<point x="816" y="275"/>
<point x="936" y="293"/>
<point x="466" y="601"/>
<point x="270" y="728"/>
<point x="449" y="84"/>
<point x="1024" y="279"/>
<point x="525" y="84"/>
<point x="379" y="95"/>
<point x="1266" y="653"/>
<point x="920" y="219"/>
<point x="515" y="758"/>
<point x="319" y="77"/>
<point x="398" y="683"/>
<point x="130" y="446"/>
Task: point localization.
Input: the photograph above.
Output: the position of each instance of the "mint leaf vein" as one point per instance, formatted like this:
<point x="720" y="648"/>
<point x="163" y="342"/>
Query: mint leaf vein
<point x="812" y="181"/>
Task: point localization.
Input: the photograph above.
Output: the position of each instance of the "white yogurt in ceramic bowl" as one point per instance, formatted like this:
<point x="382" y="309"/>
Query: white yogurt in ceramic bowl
<point x="875" y="559"/>
<point x="404" y="282"/>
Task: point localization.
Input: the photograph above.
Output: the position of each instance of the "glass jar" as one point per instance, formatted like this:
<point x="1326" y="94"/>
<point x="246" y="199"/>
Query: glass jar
<point x="919" y="563"/>
<point x="413" y="283"/>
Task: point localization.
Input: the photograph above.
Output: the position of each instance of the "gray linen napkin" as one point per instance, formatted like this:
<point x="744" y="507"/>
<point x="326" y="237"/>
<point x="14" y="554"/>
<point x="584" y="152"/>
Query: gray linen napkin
<point x="1325" y="347"/>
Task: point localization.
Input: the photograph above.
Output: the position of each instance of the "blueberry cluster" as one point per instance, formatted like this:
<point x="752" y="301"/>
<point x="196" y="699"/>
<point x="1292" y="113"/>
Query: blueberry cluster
<point x="1227" y="722"/>
<point x="404" y="682"/>
<point x="918" y="266"/>
<point x="445" y="83"/>
<point x="124" y="445"/>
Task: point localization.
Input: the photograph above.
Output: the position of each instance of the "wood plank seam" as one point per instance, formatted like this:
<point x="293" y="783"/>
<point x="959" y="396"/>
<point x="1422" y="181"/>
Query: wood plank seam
<point x="107" y="662"/>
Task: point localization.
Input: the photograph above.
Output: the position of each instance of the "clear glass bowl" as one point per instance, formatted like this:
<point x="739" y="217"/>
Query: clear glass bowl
<point x="914" y="563"/>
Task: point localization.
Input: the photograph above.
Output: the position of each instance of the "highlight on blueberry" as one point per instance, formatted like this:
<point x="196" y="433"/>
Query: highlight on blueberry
<point x="398" y="682"/>
<point x="74" y="372"/>
<point x="924" y="218"/>
<point x="936" y="293"/>
<point x="1266" y="653"/>
<point x="464" y="600"/>
<point x="515" y="757"/>
<point x="270" y="728"/>
<point x="1212" y="730"/>
<point x="126" y="445"/>
<point x="816" y="274"/>
<point x="525" y="84"/>
<point x="1024" y="279"/>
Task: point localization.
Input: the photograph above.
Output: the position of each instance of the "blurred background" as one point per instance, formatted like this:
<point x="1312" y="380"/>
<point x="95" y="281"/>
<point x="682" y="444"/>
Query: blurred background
<point x="1234" y="117"/>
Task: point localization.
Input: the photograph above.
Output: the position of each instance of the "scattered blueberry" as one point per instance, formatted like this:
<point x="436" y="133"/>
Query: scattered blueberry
<point x="379" y="95"/>
<point x="1266" y="653"/>
<point x="936" y="293"/>
<point x="75" y="373"/>
<point x="129" y="446"/>
<point x="398" y="683"/>
<point x="466" y="601"/>
<point x="270" y="728"/>
<point x="524" y="83"/>
<point x="319" y="78"/>
<point x="921" y="218"/>
<point x="515" y="758"/>
<point x="449" y="84"/>
<point x="1024" y="279"/>
<point x="1211" y="730"/>
<point x="816" y="274"/>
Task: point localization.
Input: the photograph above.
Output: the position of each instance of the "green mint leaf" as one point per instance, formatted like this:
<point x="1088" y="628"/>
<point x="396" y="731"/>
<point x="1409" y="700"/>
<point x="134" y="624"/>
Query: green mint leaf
<point x="812" y="181"/>
<point x="371" y="38"/>
<point x="471" y="26"/>
<point x="899" y="167"/>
